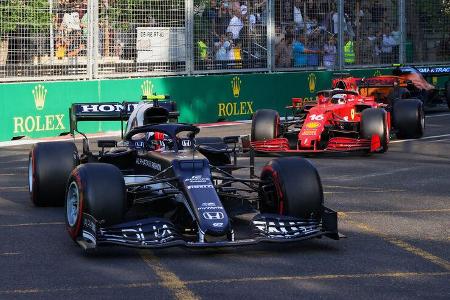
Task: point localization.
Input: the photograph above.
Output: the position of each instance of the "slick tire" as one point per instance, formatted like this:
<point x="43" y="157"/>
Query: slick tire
<point x="49" y="167"/>
<point x="374" y="121"/>
<point x="296" y="190"/>
<point x="98" y="190"/>
<point x="409" y="118"/>
<point x="265" y="125"/>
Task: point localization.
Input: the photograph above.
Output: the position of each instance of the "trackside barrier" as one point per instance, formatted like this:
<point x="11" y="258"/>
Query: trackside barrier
<point x="41" y="109"/>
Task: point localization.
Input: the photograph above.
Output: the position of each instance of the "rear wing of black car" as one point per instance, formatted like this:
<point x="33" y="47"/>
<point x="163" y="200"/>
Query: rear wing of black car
<point x="115" y="111"/>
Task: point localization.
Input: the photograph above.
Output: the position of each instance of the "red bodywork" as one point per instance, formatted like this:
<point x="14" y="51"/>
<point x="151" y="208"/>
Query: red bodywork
<point x="320" y="116"/>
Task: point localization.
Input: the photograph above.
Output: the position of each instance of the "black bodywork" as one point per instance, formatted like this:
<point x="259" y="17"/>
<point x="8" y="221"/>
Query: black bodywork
<point x="186" y="195"/>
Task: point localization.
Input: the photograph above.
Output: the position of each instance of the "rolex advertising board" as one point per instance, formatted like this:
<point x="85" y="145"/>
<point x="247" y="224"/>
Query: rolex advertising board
<point x="41" y="109"/>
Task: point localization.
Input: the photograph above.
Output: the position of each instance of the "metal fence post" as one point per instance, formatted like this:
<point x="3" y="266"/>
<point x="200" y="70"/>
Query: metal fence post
<point x="340" y="47"/>
<point x="94" y="36"/>
<point x="189" y="40"/>
<point x="270" y="35"/>
<point x="402" y="25"/>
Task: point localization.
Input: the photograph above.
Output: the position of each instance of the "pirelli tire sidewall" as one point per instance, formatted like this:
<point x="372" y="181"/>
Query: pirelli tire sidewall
<point x="265" y="125"/>
<point x="409" y="118"/>
<point x="374" y="122"/>
<point x="49" y="167"/>
<point x="102" y="194"/>
<point x="297" y="188"/>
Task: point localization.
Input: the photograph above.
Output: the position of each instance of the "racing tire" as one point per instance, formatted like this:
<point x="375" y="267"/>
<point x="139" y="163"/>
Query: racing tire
<point x="374" y="121"/>
<point x="96" y="189"/>
<point x="265" y="125"/>
<point x="409" y="118"/>
<point x="49" y="167"/>
<point x="296" y="191"/>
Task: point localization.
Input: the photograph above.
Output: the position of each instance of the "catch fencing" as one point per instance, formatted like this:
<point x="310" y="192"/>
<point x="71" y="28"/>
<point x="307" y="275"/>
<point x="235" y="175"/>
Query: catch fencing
<point x="90" y="39"/>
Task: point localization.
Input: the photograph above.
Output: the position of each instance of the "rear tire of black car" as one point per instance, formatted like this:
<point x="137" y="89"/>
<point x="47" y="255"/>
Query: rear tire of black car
<point x="409" y="118"/>
<point x="49" y="167"/>
<point x="294" y="188"/>
<point x="265" y="125"/>
<point x="98" y="190"/>
<point x="374" y="122"/>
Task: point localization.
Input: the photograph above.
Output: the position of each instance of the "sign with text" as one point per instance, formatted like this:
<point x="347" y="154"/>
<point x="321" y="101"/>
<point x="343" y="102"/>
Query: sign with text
<point x="161" y="44"/>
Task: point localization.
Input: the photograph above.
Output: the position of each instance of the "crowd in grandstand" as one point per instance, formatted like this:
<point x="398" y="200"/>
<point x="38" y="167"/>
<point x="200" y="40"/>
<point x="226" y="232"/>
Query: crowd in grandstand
<point x="306" y="33"/>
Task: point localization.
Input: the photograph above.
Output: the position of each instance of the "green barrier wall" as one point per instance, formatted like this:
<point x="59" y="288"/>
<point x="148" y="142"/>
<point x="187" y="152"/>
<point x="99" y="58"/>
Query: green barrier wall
<point x="41" y="109"/>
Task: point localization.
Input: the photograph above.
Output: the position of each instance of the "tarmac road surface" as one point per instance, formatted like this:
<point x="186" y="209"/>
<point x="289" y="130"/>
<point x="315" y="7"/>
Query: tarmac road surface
<point x="394" y="209"/>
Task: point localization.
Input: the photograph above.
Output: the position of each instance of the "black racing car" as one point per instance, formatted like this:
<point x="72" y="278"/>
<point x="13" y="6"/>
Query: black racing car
<point x="162" y="186"/>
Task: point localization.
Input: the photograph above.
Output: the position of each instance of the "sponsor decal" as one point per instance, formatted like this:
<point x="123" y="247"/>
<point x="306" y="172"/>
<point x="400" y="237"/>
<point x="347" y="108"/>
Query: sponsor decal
<point x="95" y="108"/>
<point x="312" y="79"/>
<point x="377" y="73"/>
<point x="209" y="208"/>
<point x="309" y="132"/>
<point x="208" y="204"/>
<point x="148" y="163"/>
<point x="36" y="123"/>
<point x="186" y="143"/>
<point x="197" y="179"/>
<point x="147" y="88"/>
<point x="217" y="224"/>
<point x="236" y="86"/>
<point x="200" y="186"/>
<point x="213" y="215"/>
<point x="235" y="108"/>
<point x="312" y="125"/>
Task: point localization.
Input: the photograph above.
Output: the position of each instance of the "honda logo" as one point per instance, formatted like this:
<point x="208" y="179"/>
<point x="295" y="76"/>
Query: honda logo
<point x="213" y="215"/>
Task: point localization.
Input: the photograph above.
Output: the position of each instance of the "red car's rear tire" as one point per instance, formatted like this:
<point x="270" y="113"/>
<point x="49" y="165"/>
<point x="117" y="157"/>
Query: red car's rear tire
<point x="265" y="125"/>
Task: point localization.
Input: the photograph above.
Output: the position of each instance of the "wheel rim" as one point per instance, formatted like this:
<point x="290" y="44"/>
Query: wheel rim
<point x="73" y="204"/>
<point x="30" y="174"/>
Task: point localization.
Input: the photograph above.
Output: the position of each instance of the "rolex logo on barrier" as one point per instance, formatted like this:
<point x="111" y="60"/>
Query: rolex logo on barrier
<point x="236" y="86"/>
<point x="312" y="82"/>
<point x="147" y="88"/>
<point x="39" y="93"/>
<point x="235" y="108"/>
<point x="31" y="124"/>
<point x="377" y="73"/>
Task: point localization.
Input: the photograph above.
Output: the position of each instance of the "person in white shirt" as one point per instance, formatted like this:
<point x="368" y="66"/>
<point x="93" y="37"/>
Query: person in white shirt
<point x="236" y="23"/>
<point x="298" y="17"/>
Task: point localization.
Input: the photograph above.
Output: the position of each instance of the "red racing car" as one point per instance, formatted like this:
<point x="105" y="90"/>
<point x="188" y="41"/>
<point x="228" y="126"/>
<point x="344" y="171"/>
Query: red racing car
<point x="340" y="121"/>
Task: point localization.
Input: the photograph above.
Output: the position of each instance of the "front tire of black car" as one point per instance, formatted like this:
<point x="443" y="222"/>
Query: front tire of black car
<point x="291" y="186"/>
<point x="409" y="118"/>
<point x="265" y="125"/>
<point x="98" y="190"/>
<point x="374" y="122"/>
<point x="49" y="167"/>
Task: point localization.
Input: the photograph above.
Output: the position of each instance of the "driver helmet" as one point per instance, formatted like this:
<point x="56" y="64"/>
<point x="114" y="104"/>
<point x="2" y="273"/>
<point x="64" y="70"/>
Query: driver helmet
<point x="339" y="99"/>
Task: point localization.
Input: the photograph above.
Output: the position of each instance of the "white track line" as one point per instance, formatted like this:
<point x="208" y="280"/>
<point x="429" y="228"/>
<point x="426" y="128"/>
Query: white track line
<point x="440" y="115"/>
<point x="424" y="138"/>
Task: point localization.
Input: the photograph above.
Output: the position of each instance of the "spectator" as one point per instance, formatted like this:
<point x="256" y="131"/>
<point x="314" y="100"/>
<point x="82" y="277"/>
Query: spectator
<point x="283" y="52"/>
<point x="298" y="17"/>
<point x="223" y="47"/>
<point x="329" y="50"/>
<point x="211" y="15"/>
<point x="236" y="23"/>
<point x="224" y="18"/>
<point x="300" y="52"/>
<point x="387" y="44"/>
<point x="349" y="51"/>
